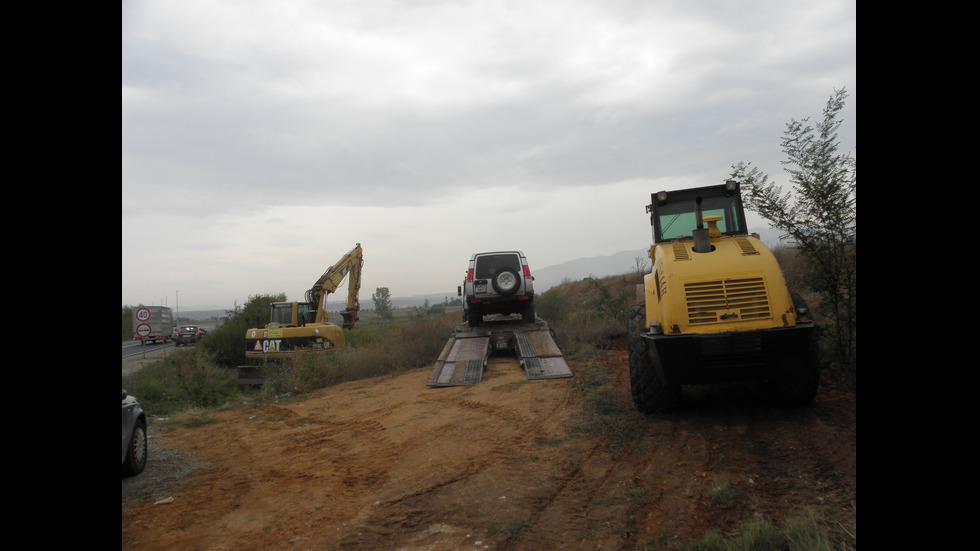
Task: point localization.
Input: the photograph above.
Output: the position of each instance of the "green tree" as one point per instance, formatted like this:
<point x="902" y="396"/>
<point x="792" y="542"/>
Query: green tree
<point x="382" y="303"/>
<point x="819" y="215"/>
<point x="226" y="345"/>
<point x="127" y="323"/>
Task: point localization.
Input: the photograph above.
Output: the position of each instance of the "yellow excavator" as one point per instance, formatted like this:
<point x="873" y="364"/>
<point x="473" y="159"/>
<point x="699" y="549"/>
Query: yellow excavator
<point x="298" y="326"/>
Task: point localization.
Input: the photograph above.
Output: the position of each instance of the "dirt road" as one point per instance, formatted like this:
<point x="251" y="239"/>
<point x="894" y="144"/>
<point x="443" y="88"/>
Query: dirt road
<point x="392" y="464"/>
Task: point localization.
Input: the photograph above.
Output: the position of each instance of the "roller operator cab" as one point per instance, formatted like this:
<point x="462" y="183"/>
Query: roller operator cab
<point x="715" y="307"/>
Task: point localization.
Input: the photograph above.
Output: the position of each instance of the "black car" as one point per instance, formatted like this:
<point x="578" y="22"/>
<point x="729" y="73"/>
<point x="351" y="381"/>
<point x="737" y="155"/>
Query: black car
<point x="188" y="334"/>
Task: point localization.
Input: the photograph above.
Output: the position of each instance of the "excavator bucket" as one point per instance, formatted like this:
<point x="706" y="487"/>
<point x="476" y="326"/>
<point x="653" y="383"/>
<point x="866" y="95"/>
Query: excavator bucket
<point x="350" y="318"/>
<point x="464" y="358"/>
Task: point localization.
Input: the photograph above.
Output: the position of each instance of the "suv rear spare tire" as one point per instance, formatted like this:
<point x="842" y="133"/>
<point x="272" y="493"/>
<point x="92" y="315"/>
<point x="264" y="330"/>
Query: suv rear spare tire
<point x="506" y="282"/>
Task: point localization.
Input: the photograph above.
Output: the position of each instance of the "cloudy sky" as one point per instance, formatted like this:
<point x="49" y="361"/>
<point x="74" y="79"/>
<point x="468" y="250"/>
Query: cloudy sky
<point x="262" y="139"/>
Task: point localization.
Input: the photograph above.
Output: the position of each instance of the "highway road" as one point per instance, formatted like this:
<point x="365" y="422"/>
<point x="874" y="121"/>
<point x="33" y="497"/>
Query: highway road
<point x="135" y="354"/>
<point x="135" y="349"/>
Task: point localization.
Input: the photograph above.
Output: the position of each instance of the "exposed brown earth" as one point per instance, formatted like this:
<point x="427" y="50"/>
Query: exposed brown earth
<point x="393" y="464"/>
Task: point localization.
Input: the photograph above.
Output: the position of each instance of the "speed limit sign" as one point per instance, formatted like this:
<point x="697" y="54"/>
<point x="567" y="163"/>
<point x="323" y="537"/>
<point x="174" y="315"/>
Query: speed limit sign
<point x="143" y="314"/>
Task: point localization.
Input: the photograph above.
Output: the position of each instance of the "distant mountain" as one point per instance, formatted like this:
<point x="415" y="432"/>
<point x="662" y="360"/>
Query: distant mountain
<point x="622" y="262"/>
<point x="202" y="315"/>
<point x="546" y="278"/>
<point x="419" y="300"/>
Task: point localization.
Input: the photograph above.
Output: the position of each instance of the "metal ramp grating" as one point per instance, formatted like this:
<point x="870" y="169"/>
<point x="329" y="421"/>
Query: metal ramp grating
<point x="540" y="356"/>
<point x="525" y="346"/>
<point x="464" y="358"/>
<point x="474" y="372"/>
<point x="533" y="368"/>
<point x="461" y="362"/>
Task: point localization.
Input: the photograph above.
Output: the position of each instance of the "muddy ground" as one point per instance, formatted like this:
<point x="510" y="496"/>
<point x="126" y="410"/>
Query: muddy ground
<point x="393" y="464"/>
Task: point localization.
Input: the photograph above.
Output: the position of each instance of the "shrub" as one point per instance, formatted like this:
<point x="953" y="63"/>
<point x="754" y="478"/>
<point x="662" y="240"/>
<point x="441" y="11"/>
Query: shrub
<point x="371" y="351"/>
<point x="587" y="314"/>
<point x="226" y="345"/>
<point x="721" y="492"/>
<point x="180" y="381"/>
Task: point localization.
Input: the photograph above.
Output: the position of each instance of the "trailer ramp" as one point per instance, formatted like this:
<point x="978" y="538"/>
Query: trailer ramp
<point x="461" y="362"/>
<point x="464" y="358"/>
<point x="540" y="356"/>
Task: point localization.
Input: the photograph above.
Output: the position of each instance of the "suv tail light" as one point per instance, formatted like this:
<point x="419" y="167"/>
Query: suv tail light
<point x="527" y="271"/>
<point x="469" y="274"/>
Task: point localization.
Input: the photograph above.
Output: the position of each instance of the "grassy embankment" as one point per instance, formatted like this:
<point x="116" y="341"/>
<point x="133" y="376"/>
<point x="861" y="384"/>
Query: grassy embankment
<point x="587" y="317"/>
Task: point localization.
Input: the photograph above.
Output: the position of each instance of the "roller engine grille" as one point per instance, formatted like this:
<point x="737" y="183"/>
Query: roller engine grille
<point x="738" y="351"/>
<point x="726" y="300"/>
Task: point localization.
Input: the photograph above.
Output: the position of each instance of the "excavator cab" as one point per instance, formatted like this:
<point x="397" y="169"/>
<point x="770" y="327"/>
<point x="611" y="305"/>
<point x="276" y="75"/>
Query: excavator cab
<point x="298" y="314"/>
<point x="290" y="314"/>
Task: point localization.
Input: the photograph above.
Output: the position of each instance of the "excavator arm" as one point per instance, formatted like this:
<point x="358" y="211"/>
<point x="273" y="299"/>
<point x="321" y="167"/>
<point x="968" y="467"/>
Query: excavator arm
<point x="349" y="266"/>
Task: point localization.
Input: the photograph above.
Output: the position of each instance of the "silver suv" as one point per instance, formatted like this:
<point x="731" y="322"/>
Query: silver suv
<point x="497" y="283"/>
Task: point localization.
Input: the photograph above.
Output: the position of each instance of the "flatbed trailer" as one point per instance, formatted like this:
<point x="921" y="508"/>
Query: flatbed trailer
<point x="464" y="358"/>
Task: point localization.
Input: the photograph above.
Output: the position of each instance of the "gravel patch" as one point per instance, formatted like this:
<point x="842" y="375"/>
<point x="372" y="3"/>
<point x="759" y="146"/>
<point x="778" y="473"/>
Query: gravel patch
<point x="165" y="469"/>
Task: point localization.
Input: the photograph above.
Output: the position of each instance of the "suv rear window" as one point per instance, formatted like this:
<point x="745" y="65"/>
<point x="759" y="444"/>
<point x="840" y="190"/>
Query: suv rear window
<point x="488" y="265"/>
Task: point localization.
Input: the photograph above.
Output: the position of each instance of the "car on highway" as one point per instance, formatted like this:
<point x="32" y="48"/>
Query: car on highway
<point x="497" y="283"/>
<point x="134" y="445"/>
<point x="188" y="334"/>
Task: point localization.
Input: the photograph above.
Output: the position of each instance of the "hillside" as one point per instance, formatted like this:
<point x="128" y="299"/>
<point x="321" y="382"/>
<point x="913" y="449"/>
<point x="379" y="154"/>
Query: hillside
<point x="508" y="463"/>
<point x="545" y="278"/>
<point x="597" y="266"/>
<point x="390" y="463"/>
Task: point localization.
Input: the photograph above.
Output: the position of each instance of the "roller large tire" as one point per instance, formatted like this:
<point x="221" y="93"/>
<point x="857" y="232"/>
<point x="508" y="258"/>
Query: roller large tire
<point x="797" y="384"/>
<point x="651" y="394"/>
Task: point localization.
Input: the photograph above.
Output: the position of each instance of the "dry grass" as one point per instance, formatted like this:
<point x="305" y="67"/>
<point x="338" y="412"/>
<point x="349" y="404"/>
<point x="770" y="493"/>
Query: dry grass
<point x="588" y="314"/>
<point x="373" y="349"/>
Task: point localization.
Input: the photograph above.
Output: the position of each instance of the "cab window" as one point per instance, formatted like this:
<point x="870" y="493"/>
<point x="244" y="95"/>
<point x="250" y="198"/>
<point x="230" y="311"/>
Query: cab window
<point x="678" y="220"/>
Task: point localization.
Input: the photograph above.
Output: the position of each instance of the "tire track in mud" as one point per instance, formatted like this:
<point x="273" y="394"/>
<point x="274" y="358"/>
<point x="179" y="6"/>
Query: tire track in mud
<point x="513" y="437"/>
<point x="392" y="464"/>
<point x="591" y="493"/>
<point x="613" y="493"/>
<point x="659" y="490"/>
<point x="770" y="456"/>
<point x="311" y="453"/>
<point x="703" y="444"/>
<point x="487" y="483"/>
